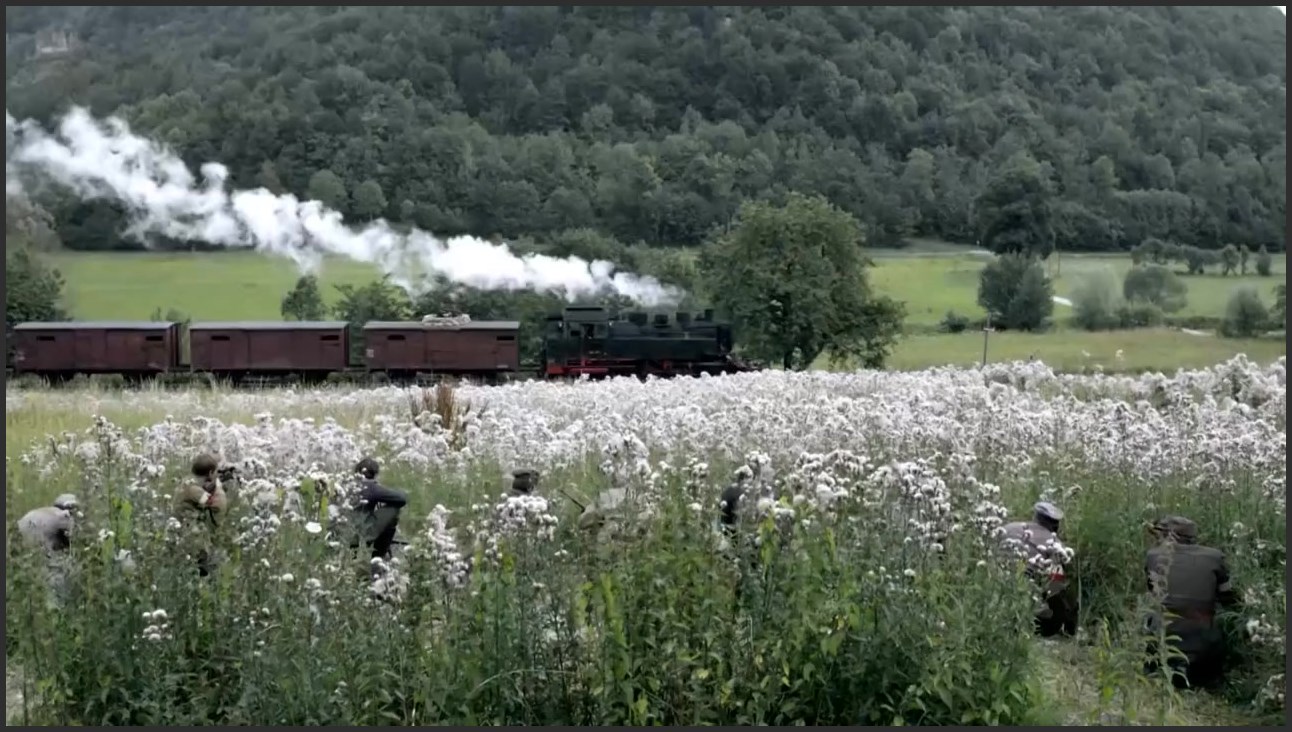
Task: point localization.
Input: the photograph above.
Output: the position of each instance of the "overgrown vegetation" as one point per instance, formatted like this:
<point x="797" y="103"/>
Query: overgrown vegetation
<point x="864" y="607"/>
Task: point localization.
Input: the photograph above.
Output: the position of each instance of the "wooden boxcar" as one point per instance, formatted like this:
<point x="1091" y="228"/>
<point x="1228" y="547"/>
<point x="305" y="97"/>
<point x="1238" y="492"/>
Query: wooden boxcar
<point x="476" y="348"/>
<point x="62" y="349"/>
<point x="267" y="348"/>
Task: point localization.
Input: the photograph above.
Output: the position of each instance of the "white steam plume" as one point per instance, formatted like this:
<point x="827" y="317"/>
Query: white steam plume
<point x="162" y="197"/>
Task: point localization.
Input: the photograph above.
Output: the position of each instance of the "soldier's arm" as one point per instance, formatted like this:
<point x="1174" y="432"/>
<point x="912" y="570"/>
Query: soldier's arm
<point x="189" y="495"/>
<point x="381" y="495"/>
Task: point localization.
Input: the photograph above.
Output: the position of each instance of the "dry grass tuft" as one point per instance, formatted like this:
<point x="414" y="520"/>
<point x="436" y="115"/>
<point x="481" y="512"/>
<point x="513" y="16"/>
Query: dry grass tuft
<point x="443" y="402"/>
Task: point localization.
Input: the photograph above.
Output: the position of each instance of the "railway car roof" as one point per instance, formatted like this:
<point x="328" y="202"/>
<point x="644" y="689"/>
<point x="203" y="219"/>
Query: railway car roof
<point x="418" y="325"/>
<point x="270" y="325"/>
<point x="97" y="325"/>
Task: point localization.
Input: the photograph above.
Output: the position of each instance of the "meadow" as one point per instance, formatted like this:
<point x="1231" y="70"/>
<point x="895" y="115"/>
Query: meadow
<point x="864" y="583"/>
<point x="932" y="278"/>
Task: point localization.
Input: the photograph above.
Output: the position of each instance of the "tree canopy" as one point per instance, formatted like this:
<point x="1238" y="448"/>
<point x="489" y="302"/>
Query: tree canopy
<point x="654" y="124"/>
<point x="792" y="280"/>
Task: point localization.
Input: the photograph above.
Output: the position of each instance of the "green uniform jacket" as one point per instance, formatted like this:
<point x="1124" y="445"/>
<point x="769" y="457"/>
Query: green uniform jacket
<point x="1196" y="579"/>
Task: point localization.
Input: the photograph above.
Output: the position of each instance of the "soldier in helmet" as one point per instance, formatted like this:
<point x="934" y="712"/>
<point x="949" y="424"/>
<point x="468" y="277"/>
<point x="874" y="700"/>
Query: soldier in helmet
<point x="203" y="494"/>
<point x="50" y="527"/>
<point x="1191" y="580"/>
<point x="1035" y="539"/>
<point x="378" y="509"/>
<point x="202" y="498"/>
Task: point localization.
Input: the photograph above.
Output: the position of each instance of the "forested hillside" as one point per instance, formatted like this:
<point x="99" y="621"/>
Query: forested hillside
<point x="654" y="123"/>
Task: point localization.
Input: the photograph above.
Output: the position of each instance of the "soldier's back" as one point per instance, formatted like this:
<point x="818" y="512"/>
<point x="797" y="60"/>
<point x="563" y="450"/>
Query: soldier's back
<point x="47" y="527"/>
<point x="1191" y="578"/>
<point x="1193" y="573"/>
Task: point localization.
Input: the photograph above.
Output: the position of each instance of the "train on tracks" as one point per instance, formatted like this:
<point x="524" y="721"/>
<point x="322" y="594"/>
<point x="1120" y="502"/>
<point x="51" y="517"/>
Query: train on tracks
<point x="580" y="341"/>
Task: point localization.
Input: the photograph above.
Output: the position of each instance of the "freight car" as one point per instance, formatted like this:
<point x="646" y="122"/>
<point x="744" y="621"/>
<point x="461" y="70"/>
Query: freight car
<point x="459" y="347"/>
<point x="234" y="351"/>
<point x="59" y="351"/>
<point x="591" y="341"/>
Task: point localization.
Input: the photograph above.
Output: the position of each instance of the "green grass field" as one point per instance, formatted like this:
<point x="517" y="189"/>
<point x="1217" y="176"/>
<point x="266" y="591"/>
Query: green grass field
<point x="216" y="286"/>
<point x="932" y="278"/>
<point x="933" y="284"/>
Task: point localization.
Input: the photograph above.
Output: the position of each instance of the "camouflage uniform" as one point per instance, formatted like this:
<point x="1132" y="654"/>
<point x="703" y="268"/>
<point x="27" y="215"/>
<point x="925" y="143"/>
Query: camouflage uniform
<point x="202" y="500"/>
<point x="1192" y="580"/>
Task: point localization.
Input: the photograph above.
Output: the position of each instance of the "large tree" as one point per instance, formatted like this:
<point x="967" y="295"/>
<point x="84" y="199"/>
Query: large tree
<point x="1015" y="214"/>
<point x="793" y="280"/>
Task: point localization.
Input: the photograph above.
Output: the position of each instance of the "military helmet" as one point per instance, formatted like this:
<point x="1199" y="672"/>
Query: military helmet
<point x="368" y="468"/>
<point x="524" y="480"/>
<point x="205" y="464"/>
<point x="67" y="502"/>
<point x="1177" y="527"/>
<point x="1047" y="510"/>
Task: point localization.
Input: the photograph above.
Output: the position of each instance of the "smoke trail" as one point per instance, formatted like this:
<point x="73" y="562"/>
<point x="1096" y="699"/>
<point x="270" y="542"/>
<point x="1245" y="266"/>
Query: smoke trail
<point x="162" y="197"/>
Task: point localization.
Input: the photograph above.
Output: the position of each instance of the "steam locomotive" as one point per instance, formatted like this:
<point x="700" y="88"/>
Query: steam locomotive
<point x="578" y="342"/>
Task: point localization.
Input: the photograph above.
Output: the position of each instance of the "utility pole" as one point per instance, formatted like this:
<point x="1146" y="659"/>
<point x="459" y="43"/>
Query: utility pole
<point x="986" y="332"/>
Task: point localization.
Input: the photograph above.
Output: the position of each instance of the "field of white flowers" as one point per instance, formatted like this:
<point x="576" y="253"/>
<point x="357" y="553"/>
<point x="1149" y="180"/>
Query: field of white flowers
<point x="862" y="585"/>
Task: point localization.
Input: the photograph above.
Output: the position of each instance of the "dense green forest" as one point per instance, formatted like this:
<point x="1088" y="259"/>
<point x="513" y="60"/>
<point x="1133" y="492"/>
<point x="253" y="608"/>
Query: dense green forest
<point x="653" y="124"/>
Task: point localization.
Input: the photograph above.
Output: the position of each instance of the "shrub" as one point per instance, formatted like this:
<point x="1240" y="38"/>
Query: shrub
<point x="1155" y="251"/>
<point x="1139" y="315"/>
<point x="1245" y="315"/>
<point x="1264" y="262"/>
<point x="954" y="322"/>
<point x="1016" y="290"/>
<point x="1095" y="301"/>
<point x="1197" y="260"/>
<point x="1155" y="284"/>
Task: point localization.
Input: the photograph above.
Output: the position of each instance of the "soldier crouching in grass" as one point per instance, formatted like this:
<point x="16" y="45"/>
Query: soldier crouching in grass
<point x="1190" y="580"/>
<point x="377" y="509"/>
<point x="201" y="502"/>
<point x="1037" y="540"/>
<point x="49" y="529"/>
